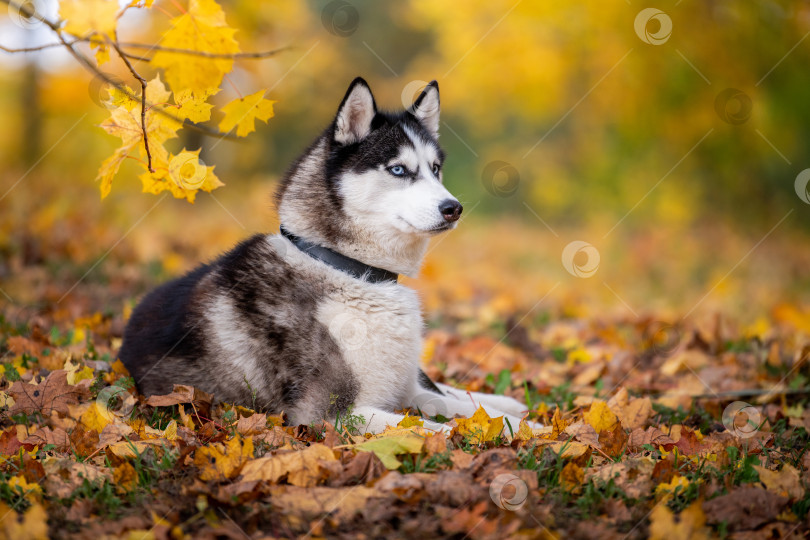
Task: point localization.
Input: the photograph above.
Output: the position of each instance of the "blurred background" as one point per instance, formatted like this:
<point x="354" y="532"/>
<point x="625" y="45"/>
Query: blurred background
<point x="611" y="157"/>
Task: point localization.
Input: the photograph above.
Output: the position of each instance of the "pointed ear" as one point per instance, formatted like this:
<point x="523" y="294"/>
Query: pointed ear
<point x="353" y="121"/>
<point x="426" y="108"/>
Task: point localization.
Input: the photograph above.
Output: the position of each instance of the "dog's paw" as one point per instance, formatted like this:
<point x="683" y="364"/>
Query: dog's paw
<point x="437" y="427"/>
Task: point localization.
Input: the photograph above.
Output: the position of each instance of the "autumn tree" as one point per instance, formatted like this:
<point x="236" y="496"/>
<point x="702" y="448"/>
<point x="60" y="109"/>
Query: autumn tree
<point x="195" y="55"/>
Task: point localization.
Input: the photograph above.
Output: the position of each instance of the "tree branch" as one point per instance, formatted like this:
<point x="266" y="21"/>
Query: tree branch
<point x="143" y="102"/>
<point x="27" y="11"/>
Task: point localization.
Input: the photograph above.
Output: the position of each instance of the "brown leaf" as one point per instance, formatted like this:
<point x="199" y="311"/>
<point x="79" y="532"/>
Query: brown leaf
<point x="252" y="425"/>
<point x="436" y="444"/>
<point x="301" y="468"/>
<point x="365" y="467"/>
<point x="58" y="437"/>
<point x="83" y="442"/>
<point x="636" y="414"/>
<point x="583" y="433"/>
<point x="689" y="444"/>
<point x="52" y="394"/>
<point x="181" y="393"/>
<point x="613" y="441"/>
<point x="652" y="436"/>
<point x="745" y="508"/>
<point x="453" y="488"/>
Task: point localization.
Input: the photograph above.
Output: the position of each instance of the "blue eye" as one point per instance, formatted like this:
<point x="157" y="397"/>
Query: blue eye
<point x="436" y="169"/>
<point x="397" y="170"/>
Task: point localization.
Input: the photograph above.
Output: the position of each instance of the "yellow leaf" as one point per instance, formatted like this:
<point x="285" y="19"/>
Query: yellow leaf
<point x="572" y="476"/>
<point x="192" y="105"/>
<point x="95" y="417"/>
<point x="31" y="491"/>
<point x="600" y="417"/>
<point x="85" y="17"/>
<point x="786" y="482"/>
<point x="218" y="462"/>
<point x="202" y="28"/>
<point x="480" y="428"/>
<point x="666" y="490"/>
<point x="31" y="525"/>
<point x="242" y="112"/>
<point x="524" y="431"/>
<point x="558" y="425"/>
<point x="170" y="433"/>
<point x="388" y="447"/>
<point x="184" y="175"/>
<point x="410" y="421"/>
<point x="302" y="468"/>
<point x="102" y="55"/>
<point x="690" y="523"/>
<point x="125" y="477"/>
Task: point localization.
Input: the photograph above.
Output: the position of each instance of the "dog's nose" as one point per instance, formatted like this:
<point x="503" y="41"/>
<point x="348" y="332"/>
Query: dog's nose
<point x="450" y="209"/>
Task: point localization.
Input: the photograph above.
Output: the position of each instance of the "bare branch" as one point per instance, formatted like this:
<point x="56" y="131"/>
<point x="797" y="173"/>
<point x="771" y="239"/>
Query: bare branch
<point x="191" y="52"/>
<point x="143" y="102"/>
<point x="91" y="67"/>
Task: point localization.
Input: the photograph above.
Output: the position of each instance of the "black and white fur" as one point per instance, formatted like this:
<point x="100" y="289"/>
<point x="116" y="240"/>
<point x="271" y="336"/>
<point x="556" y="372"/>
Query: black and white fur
<point x="269" y="326"/>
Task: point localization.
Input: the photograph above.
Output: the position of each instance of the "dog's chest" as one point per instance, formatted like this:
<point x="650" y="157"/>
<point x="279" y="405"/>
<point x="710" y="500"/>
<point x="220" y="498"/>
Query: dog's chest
<point x="378" y="329"/>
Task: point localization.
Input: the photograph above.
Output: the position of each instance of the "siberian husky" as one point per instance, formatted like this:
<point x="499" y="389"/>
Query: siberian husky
<point x="312" y="321"/>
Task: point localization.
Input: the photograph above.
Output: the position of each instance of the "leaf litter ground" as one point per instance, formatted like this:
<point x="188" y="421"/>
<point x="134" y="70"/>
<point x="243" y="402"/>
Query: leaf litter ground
<point x="653" y="428"/>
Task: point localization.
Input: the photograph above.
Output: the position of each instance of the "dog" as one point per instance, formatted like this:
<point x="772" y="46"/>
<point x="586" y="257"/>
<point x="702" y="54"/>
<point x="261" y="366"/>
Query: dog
<point x="312" y="321"/>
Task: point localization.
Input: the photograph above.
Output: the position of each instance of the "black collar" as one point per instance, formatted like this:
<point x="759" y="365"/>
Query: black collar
<point x="353" y="267"/>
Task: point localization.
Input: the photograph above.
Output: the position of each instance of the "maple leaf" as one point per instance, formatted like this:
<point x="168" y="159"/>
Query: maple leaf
<point x="302" y="468"/>
<point x="480" y="427"/>
<point x="31" y="525"/>
<point x="690" y="523"/>
<point x="181" y="393"/>
<point x="192" y="105"/>
<point x="52" y="394"/>
<point x="183" y="177"/>
<point x="786" y="482"/>
<point x="202" y="28"/>
<point x="242" y="112"/>
<point x="388" y="447"/>
<point x="218" y="462"/>
<point x="87" y="17"/>
<point x="600" y="417"/>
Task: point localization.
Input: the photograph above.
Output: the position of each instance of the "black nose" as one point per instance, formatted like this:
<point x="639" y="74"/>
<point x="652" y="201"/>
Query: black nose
<point x="450" y="209"/>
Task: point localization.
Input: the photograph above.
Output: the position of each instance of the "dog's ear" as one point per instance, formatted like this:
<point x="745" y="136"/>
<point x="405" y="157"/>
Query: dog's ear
<point x="353" y="121"/>
<point x="426" y="108"/>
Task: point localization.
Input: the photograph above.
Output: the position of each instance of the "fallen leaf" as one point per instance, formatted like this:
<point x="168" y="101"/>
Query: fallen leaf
<point x="480" y="427"/>
<point x="690" y="523"/>
<point x="786" y="482"/>
<point x="219" y="462"/>
<point x="52" y="394"/>
<point x="388" y="447"/>
<point x="600" y="417"/>
<point x="302" y="468"/>
<point x="744" y="508"/>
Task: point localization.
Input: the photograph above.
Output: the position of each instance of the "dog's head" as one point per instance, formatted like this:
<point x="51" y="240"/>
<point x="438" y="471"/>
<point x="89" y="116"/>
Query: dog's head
<point x="388" y="167"/>
<point x="373" y="181"/>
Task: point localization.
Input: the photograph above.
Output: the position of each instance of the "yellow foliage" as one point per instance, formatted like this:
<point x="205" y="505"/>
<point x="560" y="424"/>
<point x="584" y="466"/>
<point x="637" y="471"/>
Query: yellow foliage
<point x="242" y="112"/>
<point x="480" y="427"/>
<point x="600" y="417"/>
<point x="202" y="28"/>
<point x="86" y="17"/>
